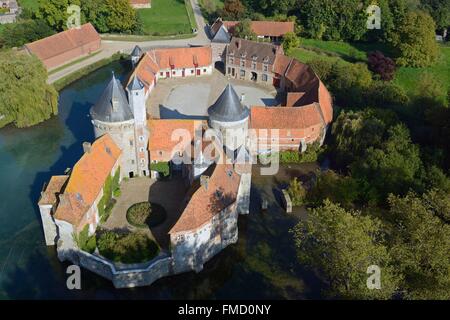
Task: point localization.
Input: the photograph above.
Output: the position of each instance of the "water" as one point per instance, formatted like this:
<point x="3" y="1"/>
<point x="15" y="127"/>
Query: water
<point x="261" y="265"/>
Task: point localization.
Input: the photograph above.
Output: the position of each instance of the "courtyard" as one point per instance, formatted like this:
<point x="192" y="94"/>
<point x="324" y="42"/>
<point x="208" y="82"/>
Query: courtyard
<point x="190" y="98"/>
<point x="167" y="193"/>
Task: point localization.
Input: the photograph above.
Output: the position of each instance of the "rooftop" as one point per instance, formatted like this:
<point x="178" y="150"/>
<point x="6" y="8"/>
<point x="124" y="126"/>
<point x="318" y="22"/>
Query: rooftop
<point x="113" y="104"/>
<point x="87" y="179"/>
<point x="228" y="107"/>
<point x="64" y="41"/>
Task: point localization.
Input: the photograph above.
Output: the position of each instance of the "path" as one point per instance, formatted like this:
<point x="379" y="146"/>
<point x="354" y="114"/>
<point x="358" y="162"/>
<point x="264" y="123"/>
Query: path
<point x="110" y="47"/>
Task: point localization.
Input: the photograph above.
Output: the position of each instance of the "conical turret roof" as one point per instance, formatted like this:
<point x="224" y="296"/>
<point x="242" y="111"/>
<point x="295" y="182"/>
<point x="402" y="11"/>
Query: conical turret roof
<point x="137" y="51"/>
<point x="228" y="107"/>
<point x="136" y="84"/>
<point x="113" y="104"/>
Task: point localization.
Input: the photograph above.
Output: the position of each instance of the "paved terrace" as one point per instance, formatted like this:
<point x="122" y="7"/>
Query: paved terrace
<point x="168" y="194"/>
<point x="190" y="97"/>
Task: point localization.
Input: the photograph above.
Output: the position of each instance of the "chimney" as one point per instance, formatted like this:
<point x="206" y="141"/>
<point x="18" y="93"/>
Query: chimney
<point x="204" y="181"/>
<point x="87" y="147"/>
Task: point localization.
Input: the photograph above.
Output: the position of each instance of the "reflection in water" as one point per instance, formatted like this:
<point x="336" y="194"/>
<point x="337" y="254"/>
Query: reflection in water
<point x="261" y="265"/>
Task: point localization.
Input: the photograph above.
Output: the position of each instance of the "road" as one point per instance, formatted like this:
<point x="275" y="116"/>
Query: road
<point x="110" y="47"/>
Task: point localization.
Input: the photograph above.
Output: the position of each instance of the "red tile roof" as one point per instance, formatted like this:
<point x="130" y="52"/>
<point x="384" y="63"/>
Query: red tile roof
<point x="285" y="117"/>
<point x="139" y="2"/>
<point x="64" y="41"/>
<point x="53" y="188"/>
<point x="183" y="57"/>
<point x="265" y="28"/>
<point x="161" y="137"/>
<point x="221" y="192"/>
<point x="87" y="179"/>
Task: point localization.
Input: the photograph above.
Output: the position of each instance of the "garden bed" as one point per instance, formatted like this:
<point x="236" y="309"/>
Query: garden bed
<point x="146" y="215"/>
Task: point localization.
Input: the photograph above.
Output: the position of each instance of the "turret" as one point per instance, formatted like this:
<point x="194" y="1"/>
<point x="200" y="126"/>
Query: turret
<point x="136" y="94"/>
<point x="230" y="117"/>
<point x="136" y="55"/>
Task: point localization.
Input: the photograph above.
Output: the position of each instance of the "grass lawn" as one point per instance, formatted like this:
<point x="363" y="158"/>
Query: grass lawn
<point x="405" y="77"/>
<point x="33" y="5"/>
<point x="166" y="17"/>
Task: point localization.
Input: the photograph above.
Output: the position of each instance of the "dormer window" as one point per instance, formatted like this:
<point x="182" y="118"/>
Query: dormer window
<point x="243" y="54"/>
<point x="115" y="103"/>
<point x="254" y="57"/>
<point x="266" y="59"/>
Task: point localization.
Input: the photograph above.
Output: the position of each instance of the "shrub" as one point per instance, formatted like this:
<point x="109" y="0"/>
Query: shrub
<point x="381" y="65"/>
<point x="161" y="167"/>
<point x="127" y="248"/>
<point x="138" y="214"/>
<point x="145" y="214"/>
<point x="297" y="192"/>
<point x="84" y="241"/>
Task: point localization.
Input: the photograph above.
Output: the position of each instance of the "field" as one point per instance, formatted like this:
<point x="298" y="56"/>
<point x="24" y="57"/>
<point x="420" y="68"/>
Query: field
<point x="405" y="77"/>
<point x="33" y="5"/>
<point x="167" y="17"/>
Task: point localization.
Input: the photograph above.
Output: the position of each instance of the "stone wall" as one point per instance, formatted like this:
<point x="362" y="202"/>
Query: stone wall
<point x="7" y="18"/>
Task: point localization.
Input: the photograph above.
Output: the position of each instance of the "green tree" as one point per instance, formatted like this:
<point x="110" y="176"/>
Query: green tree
<point x="341" y="190"/>
<point x="420" y="247"/>
<point x="24" y="31"/>
<point x="121" y="16"/>
<point x="439" y="10"/>
<point x="54" y="12"/>
<point x="244" y="30"/>
<point x="395" y="167"/>
<point x="296" y="192"/>
<point x="416" y="40"/>
<point x="340" y="245"/>
<point x="25" y="97"/>
<point x="290" y="42"/>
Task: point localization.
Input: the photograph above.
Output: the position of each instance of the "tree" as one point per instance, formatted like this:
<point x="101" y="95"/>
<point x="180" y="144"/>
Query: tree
<point x="22" y="32"/>
<point x="54" y="12"/>
<point x="340" y="245"/>
<point x="381" y="65"/>
<point x="343" y="190"/>
<point x="244" y="30"/>
<point x="296" y="192"/>
<point x="395" y="167"/>
<point x="233" y="10"/>
<point x="25" y="97"/>
<point x="121" y="16"/>
<point x="420" y="246"/>
<point x="416" y="40"/>
<point x="290" y="42"/>
<point x="333" y="20"/>
<point x="273" y="7"/>
<point x="439" y="10"/>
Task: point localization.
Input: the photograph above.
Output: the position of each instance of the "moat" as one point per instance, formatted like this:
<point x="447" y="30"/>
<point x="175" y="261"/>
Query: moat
<point x="262" y="265"/>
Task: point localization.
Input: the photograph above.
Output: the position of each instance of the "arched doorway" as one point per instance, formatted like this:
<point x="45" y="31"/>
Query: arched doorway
<point x="254" y="76"/>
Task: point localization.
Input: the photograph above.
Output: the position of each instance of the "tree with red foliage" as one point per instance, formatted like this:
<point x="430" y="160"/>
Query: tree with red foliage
<point x="381" y="65"/>
<point x="233" y="10"/>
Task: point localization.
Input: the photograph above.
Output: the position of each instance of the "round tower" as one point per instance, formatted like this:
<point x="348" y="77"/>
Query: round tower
<point x="112" y="115"/>
<point x="230" y="117"/>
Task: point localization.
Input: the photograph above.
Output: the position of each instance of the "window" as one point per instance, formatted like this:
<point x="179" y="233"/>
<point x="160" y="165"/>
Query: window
<point x="264" y="77"/>
<point x="242" y="73"/>
<point x="204" y="70"/>
<point x="266" y="68"/>
<point x="142" y="160"/>
<point x="231" y="60"/>
<point x="192" y="71"/>
<point x="132" y="161"/>
<point x="254" y="65"/>
<point x="161" y="74"/>
<point x="131" y="142"/>
<point x="141" y="138"/>
<point x="174" y="72"/>
<point x="243" y="63"/>
<point x="141" y="149"/>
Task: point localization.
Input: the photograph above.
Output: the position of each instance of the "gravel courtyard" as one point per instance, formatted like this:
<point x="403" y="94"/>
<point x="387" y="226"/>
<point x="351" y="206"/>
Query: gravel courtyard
<point x="190" y="98"/>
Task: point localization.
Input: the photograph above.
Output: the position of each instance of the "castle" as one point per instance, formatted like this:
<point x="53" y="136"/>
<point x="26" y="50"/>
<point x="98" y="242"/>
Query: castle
<point x="128" y="143"/>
